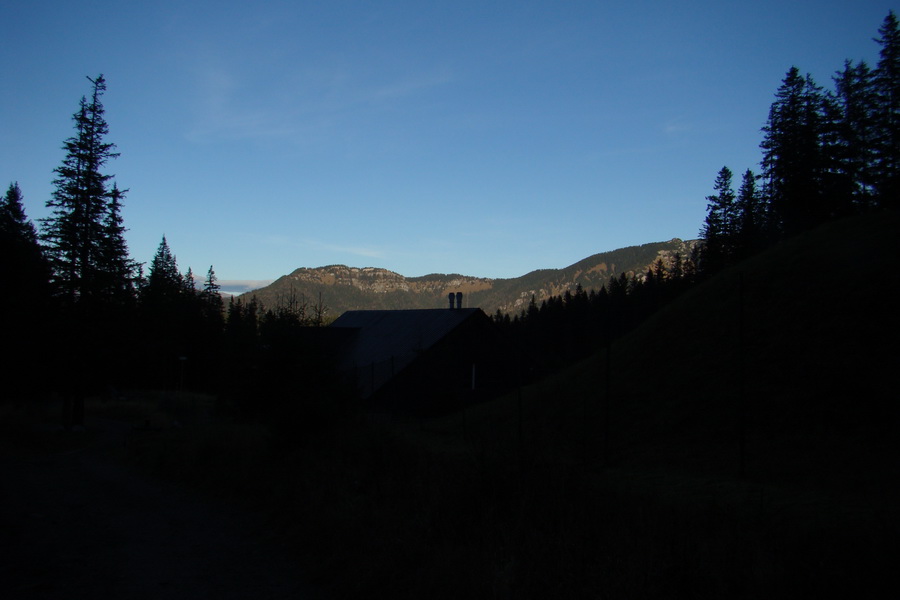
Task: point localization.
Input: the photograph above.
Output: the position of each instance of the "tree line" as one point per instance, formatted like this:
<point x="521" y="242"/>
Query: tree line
<point x="575" y="324"/>
<point x="84" y="317"/>
<point x="826" y="154"/>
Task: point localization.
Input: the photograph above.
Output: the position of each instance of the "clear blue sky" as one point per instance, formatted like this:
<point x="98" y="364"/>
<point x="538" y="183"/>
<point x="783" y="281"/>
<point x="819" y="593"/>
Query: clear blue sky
<point x="483" y="138"/>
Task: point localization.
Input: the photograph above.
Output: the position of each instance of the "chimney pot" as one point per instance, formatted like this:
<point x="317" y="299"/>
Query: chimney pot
<point x="458" y="299"/>
<point x="450" y="297"/>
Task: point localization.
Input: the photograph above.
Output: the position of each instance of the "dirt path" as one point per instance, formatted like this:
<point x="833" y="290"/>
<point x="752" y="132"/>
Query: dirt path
<point x="80" y="525"/>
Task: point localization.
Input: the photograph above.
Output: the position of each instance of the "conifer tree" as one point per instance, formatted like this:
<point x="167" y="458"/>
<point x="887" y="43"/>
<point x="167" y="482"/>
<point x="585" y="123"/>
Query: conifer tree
<point x="856" y="129"/>
<point x="750" y="217"/>
<point x="242" y="326"/>
<point x="794" y="153"/>
<point x="676" y="273"/>
<point x="164" y="282"/>
<point x="887" y="89"/>
<point x="718" y="227"/>
<point x="13" y="222"/>
<point x="24" y="321"/>
<point x="212" y="300"/>
<point x="116" y="266"/>
<point x="75" y="235"/>
<point x="660" y="273"/>
<point x="212" y="291"/>
<point x="173" y="321"/>
<point x="23" y="268"/>
<point x="211" y="287"/>
<point x="190" y="286"/>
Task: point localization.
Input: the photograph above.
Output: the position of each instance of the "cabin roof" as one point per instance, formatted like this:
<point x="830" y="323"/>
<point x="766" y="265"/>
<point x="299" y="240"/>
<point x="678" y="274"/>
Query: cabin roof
<point x="398" y="335"/>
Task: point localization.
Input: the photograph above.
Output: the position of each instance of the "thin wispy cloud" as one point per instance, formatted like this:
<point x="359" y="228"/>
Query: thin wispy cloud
<point x="230" y="105"/>
<point x="221" y="114"/>
<point x="408" y="87"/>
<point x="676" y="126"/>
<point x="352" y="250"/>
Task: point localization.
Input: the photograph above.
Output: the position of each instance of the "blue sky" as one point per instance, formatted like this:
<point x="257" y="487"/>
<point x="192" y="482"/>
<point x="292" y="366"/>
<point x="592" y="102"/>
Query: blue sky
<point x="483" y="138"/>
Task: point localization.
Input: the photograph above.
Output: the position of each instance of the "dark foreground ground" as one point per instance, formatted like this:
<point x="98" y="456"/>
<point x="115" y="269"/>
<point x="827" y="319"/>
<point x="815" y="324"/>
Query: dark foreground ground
<point x="75" y="522"/>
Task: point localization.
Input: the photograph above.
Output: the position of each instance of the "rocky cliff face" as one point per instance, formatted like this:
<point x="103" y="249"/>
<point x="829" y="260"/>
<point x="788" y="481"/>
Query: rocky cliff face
<point x="381" y="281"/>
<point x="368" y="279"/>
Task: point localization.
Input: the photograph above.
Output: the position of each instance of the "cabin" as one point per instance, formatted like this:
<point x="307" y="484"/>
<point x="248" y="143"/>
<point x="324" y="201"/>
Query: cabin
<point x="418" y="361"/>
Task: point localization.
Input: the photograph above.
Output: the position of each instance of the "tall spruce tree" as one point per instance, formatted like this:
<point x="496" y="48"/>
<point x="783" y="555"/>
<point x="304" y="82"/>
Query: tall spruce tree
<point x="24" y="320"/>
<point x="164" y="283"/>
<point x="213" y="306"/>
<point x="168" y="316"/>
<point x="116" y="266"/>
<point x="23" y="268"/>
<point x="211" y="287"/>
<point x="750" y="217"/>
<point x="211" y="293"/>
<point x="794" y="154"/>
<point x="190" y="285"/>
<point x="887" y="90"/>
<point x="856" y="129"/>
<point x="13" y="222"/>
<point x="77" y="234"/>
<point x="718" y="227"/>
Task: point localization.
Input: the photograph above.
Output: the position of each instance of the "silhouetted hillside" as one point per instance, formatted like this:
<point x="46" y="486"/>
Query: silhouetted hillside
<point x="795" y="347"/>
<point x="345" y="288"/>
<point x="778" y="369"/>
<point x="748" y="431"/>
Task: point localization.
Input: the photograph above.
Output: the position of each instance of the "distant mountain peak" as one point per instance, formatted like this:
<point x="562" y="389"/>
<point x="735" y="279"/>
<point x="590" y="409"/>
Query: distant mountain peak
<point x="343" y="288"/>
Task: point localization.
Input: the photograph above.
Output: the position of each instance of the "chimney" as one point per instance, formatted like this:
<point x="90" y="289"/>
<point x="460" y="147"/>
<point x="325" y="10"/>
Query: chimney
<point x="450" y="298"/>
<point x="458" y="299"/>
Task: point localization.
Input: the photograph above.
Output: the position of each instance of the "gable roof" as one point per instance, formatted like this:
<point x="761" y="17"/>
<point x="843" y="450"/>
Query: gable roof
<point x="397" y="336"/>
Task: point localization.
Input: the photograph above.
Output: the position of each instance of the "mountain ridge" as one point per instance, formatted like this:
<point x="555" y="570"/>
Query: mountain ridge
<point x="341" y="287"/>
